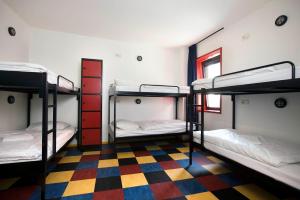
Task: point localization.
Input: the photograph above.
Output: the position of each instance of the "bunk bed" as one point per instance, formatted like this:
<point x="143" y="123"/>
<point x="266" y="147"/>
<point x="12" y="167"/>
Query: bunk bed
<point x="146" y="128"/>
<point x="35" y="79"/>
<point x="276" y="159"/>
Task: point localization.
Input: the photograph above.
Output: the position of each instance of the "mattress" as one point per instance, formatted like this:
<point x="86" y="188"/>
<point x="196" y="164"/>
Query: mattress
<point x="153" y="128"/>
<point x="24" y="151"/>
<point x="287" y="173"/>
<point x="274" y="73"/>
<point x="29" y="67"/>
<point x="128" y="86"/>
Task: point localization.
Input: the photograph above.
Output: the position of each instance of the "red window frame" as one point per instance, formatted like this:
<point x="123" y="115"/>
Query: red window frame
<point x="200" y="75"/>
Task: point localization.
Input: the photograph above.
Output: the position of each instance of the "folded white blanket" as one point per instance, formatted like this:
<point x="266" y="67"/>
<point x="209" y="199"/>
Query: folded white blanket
<point x="17" y="138"/>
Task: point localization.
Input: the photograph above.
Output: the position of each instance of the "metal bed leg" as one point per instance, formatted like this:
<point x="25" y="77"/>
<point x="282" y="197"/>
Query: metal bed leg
<point x="202" y="118"/>
<point x="44" y="96"/>
<point x="190" y="116"/>
<point x="233" y="111"/>
<point x="115" y="116"/>
<point x="29" y="109"/>
<point x="78" y="119"/>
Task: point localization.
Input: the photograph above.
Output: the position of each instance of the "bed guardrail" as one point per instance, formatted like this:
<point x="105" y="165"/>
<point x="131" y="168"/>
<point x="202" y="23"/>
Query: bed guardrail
<point x="153" y="85"/>
<point x="68" y="80"/>
<point x="293" y="70"/>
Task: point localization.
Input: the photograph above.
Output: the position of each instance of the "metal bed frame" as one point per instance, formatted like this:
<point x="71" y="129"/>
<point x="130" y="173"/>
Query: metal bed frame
<point x="141" y="93"/>
<point x="36" y="83"/>
<point x="280" y="86"/>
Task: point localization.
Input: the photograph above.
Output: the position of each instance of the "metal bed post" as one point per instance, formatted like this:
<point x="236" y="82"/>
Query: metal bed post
<point x="202" y="117"/>
<point x="233" y="111"/>
<point x="78" y="118"/>
<point x="115" y="116"/>
<point x="29" y="97"/>
<point x="109" y="97"/>
<point x="186" y="112"/>
<point x="44" y="96"/>
<point x="176" y="107"/>
<point x="54" y="121"/>
<point x="190" y="114"/>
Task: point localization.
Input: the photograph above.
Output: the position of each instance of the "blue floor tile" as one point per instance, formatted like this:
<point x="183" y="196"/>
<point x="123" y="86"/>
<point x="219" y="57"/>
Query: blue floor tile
<point x="151" y="167"/>
<point x="190" y="186"/>
<point x="55" y="190"/>
<point x="87" y="165"/>
<point x="108" y="172"/>
<point x="135" y="193"/>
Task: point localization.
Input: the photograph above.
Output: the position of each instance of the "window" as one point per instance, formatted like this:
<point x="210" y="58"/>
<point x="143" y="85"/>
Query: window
<point x="209" y="66"/>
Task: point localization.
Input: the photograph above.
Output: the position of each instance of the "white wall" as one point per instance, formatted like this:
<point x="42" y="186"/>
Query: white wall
<point x="62" y="53"/>
<point x="266" y="44"/>
<point x="12" y="49"/>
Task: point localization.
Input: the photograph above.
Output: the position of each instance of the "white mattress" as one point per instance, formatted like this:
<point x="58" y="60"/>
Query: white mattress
<point x="29" y="67"/>
<point x="158" y="127"/>
<point x="129" y="86"/>
<point x="23" y="151"/>
<point x="274" y="73"/>
<point x="287" y="173"/>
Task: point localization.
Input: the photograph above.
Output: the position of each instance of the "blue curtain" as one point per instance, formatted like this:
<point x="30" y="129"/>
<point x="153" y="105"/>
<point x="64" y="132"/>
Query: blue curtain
<point x="192" y="69"/>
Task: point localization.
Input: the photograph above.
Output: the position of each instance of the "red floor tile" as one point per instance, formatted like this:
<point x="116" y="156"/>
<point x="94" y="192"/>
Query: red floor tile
<point x="166" y="190"/>
<point x="84" y="174"/>
<point x="169" y="164"/>
<point x="89" y="158"/>
<point x="212" y="182"/>
<point x="109" y="195"/>
<point x="142" y="153"/>
<point x="129" y="169"/>
<point x="18" y="193"/>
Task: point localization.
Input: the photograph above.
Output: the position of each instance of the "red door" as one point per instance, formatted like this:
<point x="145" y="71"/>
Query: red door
<point x="91" y="85"/>
<point x="91" y="102"/>
<point x="91" y="136"/>
<point x="91" y="120"/>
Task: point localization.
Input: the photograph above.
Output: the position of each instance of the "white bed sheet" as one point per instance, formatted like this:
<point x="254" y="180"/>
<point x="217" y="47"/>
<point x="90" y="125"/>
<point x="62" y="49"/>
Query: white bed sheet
<point x="153" y="128"/>
<point x="257" y="76"/>
<point x="288" y="174"/>
<point x="22" y="151"/>
<point x="30" y="67"/>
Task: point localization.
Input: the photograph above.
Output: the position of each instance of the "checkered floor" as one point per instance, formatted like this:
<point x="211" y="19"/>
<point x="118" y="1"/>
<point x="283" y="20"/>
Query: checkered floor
<point x="153" y="170"/>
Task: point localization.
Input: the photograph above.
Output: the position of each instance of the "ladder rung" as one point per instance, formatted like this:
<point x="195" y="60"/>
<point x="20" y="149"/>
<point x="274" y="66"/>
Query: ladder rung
<point x="50" y="106"/>
<point x="50" y="131"/>
<point x="196" y="123"/>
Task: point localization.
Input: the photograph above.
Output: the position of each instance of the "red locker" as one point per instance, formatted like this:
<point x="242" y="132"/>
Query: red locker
<point x="91" y="68"/>
<point x="91" y="85"/>
<point x="91" y="102"/>
<point x="91" y="120"/>
<point x="91" y="136"/>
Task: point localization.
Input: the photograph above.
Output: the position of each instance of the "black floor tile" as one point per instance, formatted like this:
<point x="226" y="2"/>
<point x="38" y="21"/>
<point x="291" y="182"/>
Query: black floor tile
<point x="108" y="183"/>
<point x="229" y="194"/>
<point x="127" y="161"/>
<point x="157" y="177"/>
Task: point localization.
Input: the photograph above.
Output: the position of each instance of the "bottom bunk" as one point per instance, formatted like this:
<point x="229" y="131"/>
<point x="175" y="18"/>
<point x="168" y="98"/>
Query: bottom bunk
<point x="26" y="145"/>
<point x="277" y="159"/>
<point x="128" y="129"/>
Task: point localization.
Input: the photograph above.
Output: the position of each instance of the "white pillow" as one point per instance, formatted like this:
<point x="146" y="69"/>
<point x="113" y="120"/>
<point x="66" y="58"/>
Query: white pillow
<point x="17" y="138"/>
<point x="127" y="125"/>
<point x="38" y="126"/>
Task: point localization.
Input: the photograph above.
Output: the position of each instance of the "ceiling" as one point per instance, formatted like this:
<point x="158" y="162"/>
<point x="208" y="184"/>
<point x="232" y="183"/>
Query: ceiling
<point x="158" y="22"/>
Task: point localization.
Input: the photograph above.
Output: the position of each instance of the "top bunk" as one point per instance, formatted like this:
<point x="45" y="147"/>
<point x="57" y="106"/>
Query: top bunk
<point x="121" y="88"/>
<point x="31" y="78"/>
<point x="277" y="77"/>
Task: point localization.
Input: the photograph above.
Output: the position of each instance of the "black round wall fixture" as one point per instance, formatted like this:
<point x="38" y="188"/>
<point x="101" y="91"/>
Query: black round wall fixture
<point x="280" y="102"/>
<point x="281" y="20"/>
<point x="138" y="101"/>
<point x="139" y="58"/>
<point x="12" y="31"/>
<point x="11" y="99"/>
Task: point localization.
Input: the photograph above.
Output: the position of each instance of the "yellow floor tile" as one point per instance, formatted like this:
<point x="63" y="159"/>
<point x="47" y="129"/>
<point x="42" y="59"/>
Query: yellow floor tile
<point x="91" y="153"/>
<point x="125" y="155"/>
<point x="80" y="187"/>
<point x="59" y="177"/>
<point x="108" y="163"/>
<point x="216" y="169"/>
<point x="178" y="156"/>
<point x="183" y="149"/>
<point x="69" y="159"/>
<point x="215" y="160"/>
<point x="178" y="174"/>
<point x="151" y="148"/>
<point x="202" y="196"/>
<point x="145" y="159"/>
<point x="6" y="183"/>
<point x="254" y="192"/>
<point x="132" y="180"/>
